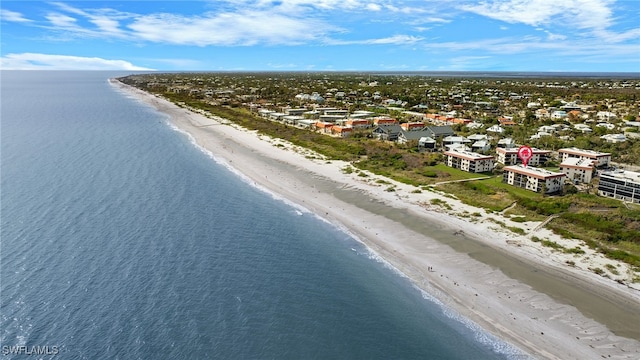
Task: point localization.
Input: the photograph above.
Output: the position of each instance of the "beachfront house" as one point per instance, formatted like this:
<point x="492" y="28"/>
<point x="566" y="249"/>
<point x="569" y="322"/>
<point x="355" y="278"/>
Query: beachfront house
<point x="469" y="161"/>
<point x="534" y="179"/>
<point x="341" y="131"/>
<point x="324" y="127"/>
<point x="406" y="136"/>
<point x="388" y="132"/>
<point x="358" y="123"/>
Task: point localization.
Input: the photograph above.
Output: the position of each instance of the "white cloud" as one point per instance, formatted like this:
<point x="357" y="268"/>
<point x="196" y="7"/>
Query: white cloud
<point x="8" y="15"/>
<point x="396" y="39"/>
<point x="62" y="21"/>
<point x="35" y="61"/>
<point x="249" y="26"/>
<point x="392" y="40"/>
<point x="374" y="7"/>
<point x="584" y="14"/>
<point x="582" y="18"/>
<point x="244" y="28"/>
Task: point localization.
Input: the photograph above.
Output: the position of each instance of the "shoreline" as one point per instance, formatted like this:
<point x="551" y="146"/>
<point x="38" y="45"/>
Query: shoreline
<point x="459" y="269"/>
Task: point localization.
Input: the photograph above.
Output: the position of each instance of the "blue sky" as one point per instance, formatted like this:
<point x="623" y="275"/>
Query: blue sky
<point x="323" y="35"/>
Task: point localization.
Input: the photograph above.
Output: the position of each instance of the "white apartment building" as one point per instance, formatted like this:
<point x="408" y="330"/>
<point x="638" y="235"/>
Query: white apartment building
<point x="578" y="170"/>
<point x="534" y="179"/>
<point x="600" y="159"/>
<point x="510" y="156"/>
<point x="469" y="161"/>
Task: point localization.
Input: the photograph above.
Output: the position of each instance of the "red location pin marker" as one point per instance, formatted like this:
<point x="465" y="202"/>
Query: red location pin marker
<point x="525" y="153"/>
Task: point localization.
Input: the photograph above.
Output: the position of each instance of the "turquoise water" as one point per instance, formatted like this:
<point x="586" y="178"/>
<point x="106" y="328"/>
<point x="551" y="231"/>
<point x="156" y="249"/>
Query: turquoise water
<point x="122" y="240"/>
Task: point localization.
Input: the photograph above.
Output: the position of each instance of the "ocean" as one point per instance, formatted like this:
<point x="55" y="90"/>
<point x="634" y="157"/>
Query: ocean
<point x="121" y="239"/>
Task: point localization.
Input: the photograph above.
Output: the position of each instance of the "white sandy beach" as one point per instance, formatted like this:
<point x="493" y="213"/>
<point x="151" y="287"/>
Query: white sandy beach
<point x="512" y="310"/>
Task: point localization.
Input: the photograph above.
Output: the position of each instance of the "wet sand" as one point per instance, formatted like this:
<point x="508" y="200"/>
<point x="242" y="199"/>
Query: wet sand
<point x="546" y="310"/>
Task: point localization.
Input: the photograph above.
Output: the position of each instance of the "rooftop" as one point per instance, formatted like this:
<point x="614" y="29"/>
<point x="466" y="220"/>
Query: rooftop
<point x="533" y="171"/>
<point x="578" y="163"/>
<point x="577" y="151"/>
<point x="469" y="155"/>
<point x="623" y="175"/>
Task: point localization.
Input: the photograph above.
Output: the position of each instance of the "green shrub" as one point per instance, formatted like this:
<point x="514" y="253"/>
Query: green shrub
<point x="575" y="250"/>
<point x="552" y="244"/>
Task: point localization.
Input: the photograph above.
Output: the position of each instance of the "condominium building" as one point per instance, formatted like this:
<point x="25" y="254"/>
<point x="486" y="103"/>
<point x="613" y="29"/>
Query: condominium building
<point x="469" y="161"/>
<point x="509" y="156"/>
<point x="600" y="159"/>
<point x="620" y="184"/>
<point x="578" y="170"/>
<point x="534" y="179"/>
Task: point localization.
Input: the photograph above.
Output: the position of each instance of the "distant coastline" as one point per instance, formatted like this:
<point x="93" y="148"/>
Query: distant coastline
<point x="444" y="74"/>
<point x="518" y="74"/>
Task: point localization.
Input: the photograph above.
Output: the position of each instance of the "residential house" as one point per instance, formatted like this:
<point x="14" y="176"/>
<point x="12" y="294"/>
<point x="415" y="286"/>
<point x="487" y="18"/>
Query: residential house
<point x="606" y="126"/>
<point x="332" y="118"/>
<point x="459" y="121"/>
<point x="605" y="115"/>
<point x="437" y="132"/>
<point x="534" y="179"/>
<point x="341" y="131"/>
<point x="265" y="113"/>
<point x="382" y="120"/>
<point x="614" y="138"/>
<point x="433" y="118"/>
<point x="469" y="161"/>
<point x="476" y="137"/>
<point x="406" y="136"/>
<point x="276" y="116"/>
<point x="481" y="146"/>
<point x="599" y="159"/>
<point x="358" y="123"/>
<point x="360" y="114"/>
<point x="546" y="129"/>
<point x="506" y="121"/>
<point x="620" y="184"/>
<point x="506" y="143"/>
<point x="290" y="111"/>
<point x="291" y="119"/>
<point x="495" y="129"/>
<point x="306" y="123"/>
<point x="475" y="125"/>
<point x="426" y="143"/>
<point x="542" y="114"/>
<point x="388" y="132"/>
<point x="559" y="114"/>
<point x="340" y="112"/>
<point x="412" y="126"/>
<point x="324" y="127"/>
<point x="583" y="128"/>
<point x="450" y="142"/>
